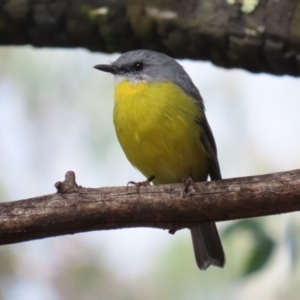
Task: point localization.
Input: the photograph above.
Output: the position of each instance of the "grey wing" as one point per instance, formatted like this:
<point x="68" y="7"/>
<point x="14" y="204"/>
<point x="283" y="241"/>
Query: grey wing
<point x="209" y="143"/>
<point x="207" y="137"/>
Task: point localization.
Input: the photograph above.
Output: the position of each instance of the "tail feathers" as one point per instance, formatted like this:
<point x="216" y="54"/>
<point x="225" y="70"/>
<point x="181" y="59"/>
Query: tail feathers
<point x="207" y="246"/>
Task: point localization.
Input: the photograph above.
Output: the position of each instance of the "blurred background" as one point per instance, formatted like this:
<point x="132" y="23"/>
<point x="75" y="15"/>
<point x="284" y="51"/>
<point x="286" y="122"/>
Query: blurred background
<point x="56" y="115"/>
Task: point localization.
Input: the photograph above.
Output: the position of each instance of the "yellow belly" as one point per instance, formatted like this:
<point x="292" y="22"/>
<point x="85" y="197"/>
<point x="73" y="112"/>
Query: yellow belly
<point x="156" y="127"/>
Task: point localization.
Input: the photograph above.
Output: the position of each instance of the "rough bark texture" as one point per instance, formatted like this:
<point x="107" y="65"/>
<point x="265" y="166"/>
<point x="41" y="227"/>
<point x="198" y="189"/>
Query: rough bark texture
<point x="76" y="209"/>
<point x="256" y="35"/>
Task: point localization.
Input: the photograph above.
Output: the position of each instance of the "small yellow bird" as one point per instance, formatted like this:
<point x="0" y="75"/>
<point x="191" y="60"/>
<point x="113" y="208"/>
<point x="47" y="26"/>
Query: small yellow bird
<point x="161" y="125"/>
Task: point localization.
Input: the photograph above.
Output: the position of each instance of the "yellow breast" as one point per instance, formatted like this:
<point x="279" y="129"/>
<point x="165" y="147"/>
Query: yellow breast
<point x="157" y="129"/>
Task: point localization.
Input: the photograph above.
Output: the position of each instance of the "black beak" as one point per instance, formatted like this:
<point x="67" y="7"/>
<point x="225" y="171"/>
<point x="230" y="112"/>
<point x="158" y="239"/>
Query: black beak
<point x="107" y="68"/>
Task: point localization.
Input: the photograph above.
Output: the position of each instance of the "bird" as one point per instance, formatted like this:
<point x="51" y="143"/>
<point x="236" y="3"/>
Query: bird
<point x="160" y="122"/>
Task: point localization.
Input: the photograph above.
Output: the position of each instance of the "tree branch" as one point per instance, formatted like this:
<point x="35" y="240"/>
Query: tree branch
<point x="259" y="36"/>
<point x="76" y="209"/>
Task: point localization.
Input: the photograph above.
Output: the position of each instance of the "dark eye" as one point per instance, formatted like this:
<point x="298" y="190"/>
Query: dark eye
<point x="138" y="66"/>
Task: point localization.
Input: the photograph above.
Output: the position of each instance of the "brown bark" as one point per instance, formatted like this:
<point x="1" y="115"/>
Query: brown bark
<point x="76" y="209"/>
<point x="259" y="36"/>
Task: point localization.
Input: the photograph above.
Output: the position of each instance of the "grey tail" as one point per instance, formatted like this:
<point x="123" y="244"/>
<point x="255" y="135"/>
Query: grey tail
<point x="207" y="246"/>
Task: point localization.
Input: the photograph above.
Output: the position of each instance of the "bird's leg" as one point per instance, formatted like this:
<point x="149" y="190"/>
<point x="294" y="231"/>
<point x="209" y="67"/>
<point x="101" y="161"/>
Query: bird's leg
<point x="185" y="184"/>
<point x="141" y="183"/>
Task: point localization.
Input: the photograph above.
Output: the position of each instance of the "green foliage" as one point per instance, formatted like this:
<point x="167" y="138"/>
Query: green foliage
<point x="260" y="245"/>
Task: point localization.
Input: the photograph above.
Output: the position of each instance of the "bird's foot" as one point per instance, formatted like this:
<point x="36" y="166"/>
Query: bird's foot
<point x="141" y="183"/>
<point x="185" y="184"/>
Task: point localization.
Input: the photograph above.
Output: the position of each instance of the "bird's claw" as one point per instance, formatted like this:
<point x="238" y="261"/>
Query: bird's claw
<point x="139" y="184"/>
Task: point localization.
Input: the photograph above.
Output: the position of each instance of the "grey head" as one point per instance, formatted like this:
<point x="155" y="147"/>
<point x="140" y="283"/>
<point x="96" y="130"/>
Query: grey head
<point x="151" y="66"/>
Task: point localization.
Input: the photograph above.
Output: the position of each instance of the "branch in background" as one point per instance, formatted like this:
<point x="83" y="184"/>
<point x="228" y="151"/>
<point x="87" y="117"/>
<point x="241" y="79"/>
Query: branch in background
<point x="76" y="209"/>
<point x="259" y="36"/>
